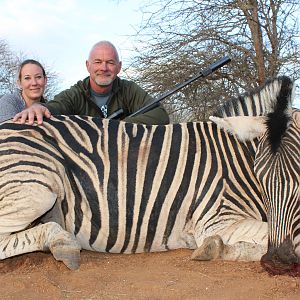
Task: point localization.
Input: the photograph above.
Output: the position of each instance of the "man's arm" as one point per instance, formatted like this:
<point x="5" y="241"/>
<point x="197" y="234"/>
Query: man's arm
<point x="140" y="98"/>
<point x="64" y="103"/>
<point x="157" y="115"/>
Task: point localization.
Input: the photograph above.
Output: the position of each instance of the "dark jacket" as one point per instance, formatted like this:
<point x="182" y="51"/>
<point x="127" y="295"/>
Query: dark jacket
<point x="126" y="95"/>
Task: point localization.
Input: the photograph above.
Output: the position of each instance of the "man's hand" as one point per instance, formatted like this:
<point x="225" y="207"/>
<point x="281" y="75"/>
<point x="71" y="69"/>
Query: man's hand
<point x="34" y="112"/>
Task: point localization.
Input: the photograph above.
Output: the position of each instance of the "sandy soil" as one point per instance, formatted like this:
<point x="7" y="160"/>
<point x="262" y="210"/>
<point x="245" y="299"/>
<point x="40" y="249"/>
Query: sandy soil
<point x="168" y="275"/>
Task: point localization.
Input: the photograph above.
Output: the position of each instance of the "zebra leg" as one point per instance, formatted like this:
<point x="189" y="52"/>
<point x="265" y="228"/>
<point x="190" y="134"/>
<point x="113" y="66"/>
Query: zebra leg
<point x="20" y="205"/>
<point x="23" y="203"/>
<point x="214" y="248"/>
<point x="49" y="236"/>
<point x="64" y="246"/>
<point x="245" y="240"/>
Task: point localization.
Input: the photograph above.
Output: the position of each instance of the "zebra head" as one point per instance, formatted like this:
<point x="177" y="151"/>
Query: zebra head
<point x="277" y="168"/>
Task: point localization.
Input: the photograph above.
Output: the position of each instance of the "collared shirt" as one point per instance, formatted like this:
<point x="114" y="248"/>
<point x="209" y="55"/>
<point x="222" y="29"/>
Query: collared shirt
<point x="101" y="101"/>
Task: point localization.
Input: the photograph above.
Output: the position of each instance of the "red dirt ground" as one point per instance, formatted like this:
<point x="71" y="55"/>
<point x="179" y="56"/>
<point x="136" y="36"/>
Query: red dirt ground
<point x="168" y="275"/>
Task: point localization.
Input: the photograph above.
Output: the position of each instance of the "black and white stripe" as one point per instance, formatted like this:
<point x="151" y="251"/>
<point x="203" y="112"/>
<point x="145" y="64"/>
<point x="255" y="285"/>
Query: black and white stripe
<point x="258" y="102"/>
<point x="127" y="188"/>
<point x="137" y="188"/>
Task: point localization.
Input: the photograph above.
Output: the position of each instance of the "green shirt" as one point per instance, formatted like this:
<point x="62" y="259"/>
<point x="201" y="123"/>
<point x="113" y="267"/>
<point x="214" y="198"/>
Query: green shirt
<point x="126" y="95"/>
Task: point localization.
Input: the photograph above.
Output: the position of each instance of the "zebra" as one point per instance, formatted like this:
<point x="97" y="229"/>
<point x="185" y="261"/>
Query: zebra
<point x="220" y="188"/>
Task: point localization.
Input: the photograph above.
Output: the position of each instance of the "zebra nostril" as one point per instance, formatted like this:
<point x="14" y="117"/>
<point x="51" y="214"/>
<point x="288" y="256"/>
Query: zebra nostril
<point x="281" y="260"/>
<point x="286" y="252"/>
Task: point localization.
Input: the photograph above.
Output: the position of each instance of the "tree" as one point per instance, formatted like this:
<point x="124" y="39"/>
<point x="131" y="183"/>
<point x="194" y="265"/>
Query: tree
<point x="180" y="37"/>
<point x="9" y="63"/>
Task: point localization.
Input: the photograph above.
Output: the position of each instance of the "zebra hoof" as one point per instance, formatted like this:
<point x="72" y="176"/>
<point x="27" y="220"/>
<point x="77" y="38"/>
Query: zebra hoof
<point x="211" y="249"/>
<point x="68" y="253"/>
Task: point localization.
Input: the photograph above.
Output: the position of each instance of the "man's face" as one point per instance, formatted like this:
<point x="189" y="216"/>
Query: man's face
<point x="103" y="65"/>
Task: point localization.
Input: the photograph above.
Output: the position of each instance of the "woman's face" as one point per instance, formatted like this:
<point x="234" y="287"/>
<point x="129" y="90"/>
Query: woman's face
<point x="32" y="82"/>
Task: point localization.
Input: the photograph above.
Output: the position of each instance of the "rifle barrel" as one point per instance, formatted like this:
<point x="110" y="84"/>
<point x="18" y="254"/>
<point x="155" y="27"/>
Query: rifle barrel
<point x="213" y="67"/>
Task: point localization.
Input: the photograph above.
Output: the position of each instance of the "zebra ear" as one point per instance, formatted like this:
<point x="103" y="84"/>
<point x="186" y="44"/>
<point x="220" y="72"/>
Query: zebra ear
<point x="244" y="127"/>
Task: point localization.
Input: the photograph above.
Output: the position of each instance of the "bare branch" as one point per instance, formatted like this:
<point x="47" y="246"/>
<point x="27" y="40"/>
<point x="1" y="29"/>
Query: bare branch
<point x="177" y="38"/>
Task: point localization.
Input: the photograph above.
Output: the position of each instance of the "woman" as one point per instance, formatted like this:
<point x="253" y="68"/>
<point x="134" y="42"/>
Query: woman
<point x="32" y="81"/>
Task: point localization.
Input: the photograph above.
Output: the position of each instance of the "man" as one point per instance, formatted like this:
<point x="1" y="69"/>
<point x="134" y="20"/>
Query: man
<point x="101" y="94"/>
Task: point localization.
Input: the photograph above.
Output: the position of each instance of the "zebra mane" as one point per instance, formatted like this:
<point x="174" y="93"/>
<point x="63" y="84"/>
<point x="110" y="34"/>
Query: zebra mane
<point x="257" y="102"/>
<point x="278" y="120"/>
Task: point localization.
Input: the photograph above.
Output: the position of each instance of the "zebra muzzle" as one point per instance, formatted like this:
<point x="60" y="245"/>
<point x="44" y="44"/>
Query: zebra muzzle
<point x="282" y="260"/>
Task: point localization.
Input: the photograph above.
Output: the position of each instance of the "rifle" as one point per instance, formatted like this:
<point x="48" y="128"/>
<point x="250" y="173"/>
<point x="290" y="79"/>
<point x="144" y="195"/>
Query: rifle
<point x="213" y="67"/>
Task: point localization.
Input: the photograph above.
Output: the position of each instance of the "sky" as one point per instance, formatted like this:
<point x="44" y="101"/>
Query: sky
<point x="60" y="33"/>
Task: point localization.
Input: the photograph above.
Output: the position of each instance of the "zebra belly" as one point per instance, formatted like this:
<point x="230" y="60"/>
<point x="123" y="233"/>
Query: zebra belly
<point x="140" y="239"/>
<point x="184" y="241"/>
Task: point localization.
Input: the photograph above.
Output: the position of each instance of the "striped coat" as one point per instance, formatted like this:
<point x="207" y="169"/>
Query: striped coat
<point x="125" y="188"/>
